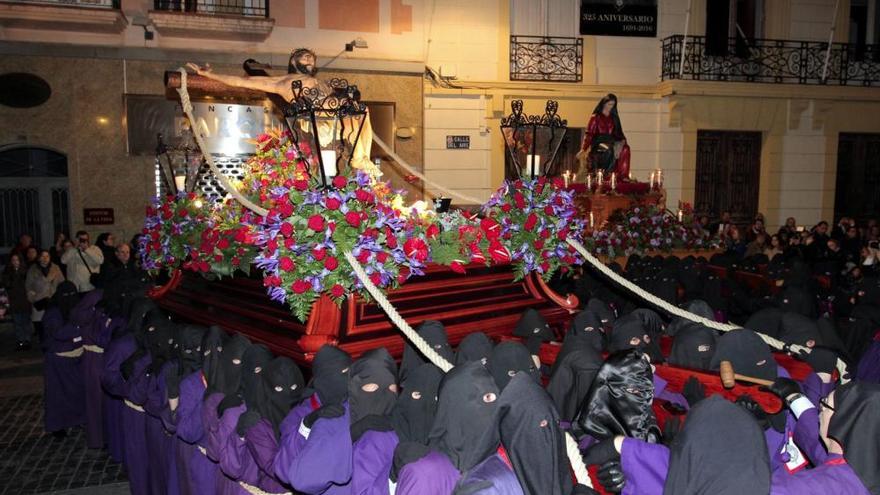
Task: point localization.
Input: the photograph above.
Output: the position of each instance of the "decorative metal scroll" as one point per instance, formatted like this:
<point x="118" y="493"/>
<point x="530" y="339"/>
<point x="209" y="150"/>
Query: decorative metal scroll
<point x="773" y="61"/>
<point x="546" y="58"/>
<point x="532" y="136"/>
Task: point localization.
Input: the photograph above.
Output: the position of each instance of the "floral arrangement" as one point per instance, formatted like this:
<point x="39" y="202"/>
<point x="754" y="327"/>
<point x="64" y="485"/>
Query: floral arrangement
<point x="644" y="229"/>
<point x="528" y="222"/>
<point x="299" y="245"/>
<point x="305" y="235"/>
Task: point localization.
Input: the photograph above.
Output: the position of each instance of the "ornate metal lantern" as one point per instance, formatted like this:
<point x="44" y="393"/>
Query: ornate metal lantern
<point x="532" y="141"/>
<point x="326" y="128"/>
<point x="179" y="162"/>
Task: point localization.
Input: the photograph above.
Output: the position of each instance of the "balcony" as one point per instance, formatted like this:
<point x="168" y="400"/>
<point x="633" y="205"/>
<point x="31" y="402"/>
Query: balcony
<point x="91" y="16"/>
<point x="236" y="20"/>
<point x="546" y="58"/>
<point x="773" y="61"/>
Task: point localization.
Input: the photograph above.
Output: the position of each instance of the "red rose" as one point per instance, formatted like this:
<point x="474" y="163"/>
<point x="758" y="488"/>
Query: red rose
<point x="218" y="258"/>
<point x="316" y="223"/>
<point x="331" y="226"/>
<point x="558" y="183"/>
<point x="285" y="209"/>
<point x="300" y="185"/>
<point x="371" y="233"/>
<point x="531" y="221"/>
<point x="416" y="249"/>
<point x="545" y="267"/>
<point x="289" y="243"/>
<point x="457" y="267"/>
<point x="271" y="246"/>
<point x="204" y="266"/>
<point x="353" y="219"/>
<point x="364" y="196"/>
<point x="333" y="204"/>
<point x="545" y="255"/>
<point x="563" y="234"/>
<point x="340" y="181"/>
<point x="223" y="243"/>
<point x="539" y="187"/>
<point x="286" y="264"/>
<point x="364" y="256"/>
<point x="286" y="229"/>
<point x="381" y="256"/>
<point x="331" y="263"/>
<point x="401" y="278"/>
<point x="506" y="207"/>
<point x="433" y="231"/>
<point x="539" y="244"/>
<point x="548" y="210"/>
<point x="519" y="200"/>
<point x="545" y="234"/>
<point x="337" y="291"/>
<point x="318" y="253"/>
<point x="235" y="261"/>
<point x="300" y="286"/>
<point x="376" y="278"/>
<point x="241" y="234"/>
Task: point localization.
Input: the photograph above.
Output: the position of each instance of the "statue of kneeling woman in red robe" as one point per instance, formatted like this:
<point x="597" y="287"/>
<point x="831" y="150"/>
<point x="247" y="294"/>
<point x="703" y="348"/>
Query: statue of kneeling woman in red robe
<point x="604" y="145"/>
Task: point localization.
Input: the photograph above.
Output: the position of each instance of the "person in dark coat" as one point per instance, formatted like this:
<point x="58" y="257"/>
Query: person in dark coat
<point x="93" y="327"/>
<point x="64" y="398"/>
<point x="509" y="358"/>
<point x="435" y="334"/>
<point x="475" y="347"/>
<point x="413" y="416"/>
<point x="14" y="280"/>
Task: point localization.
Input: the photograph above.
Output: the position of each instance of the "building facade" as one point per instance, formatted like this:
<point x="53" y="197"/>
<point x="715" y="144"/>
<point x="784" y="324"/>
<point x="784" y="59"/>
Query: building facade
<point x="751" y="119"/>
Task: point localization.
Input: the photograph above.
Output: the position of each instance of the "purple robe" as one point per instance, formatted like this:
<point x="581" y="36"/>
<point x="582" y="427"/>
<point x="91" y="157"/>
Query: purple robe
<point x="159" y="443"/>
<point x="645" y="466"/>
<point x="231" y="469"/>
<point x="216" y="431"/>
<point x="289" y="445"/>
<point x="64" y="395"/>
<point x="781" y="446"/>
<point x="134" y="421"/>
<point x="869" y="365"/>
<point x="495" y="470"/>
<point x="433" y="474"/>
<point x="117" y="351"/>
<point x="372" y="456"/>
<point x="321" y="457"/>
<point x="91" y="322"/>
<point x="815" y="389"/>
<point x="834" y="476"/>
<point x="262" y="448"/>
<point x="196" y="473"/>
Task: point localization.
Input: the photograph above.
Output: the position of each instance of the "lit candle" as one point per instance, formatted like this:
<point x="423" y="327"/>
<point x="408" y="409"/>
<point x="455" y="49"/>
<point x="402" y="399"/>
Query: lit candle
<point x="329" y="159"/>
<point x="180" y="183"/>
<point x="629" y="175"/>
<point x="652" y="180"/>
<point x="599" y="180"/>
<point x="574" y="177"/>
<point x="591" y="220"/>
<point x="589" y="182"/>
<point x="613" y="181"/>
<point x="659" y="177"/>
<point x="533" y="165"/>
<point x="680" y="215"/>
<point x="565" y="178"/>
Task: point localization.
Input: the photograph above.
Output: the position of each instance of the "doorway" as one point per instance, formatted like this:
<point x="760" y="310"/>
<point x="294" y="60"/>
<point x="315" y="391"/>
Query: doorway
<point x="34" y="196"/>
<point x="857" y="193"/>
<point x="728" y="174"/>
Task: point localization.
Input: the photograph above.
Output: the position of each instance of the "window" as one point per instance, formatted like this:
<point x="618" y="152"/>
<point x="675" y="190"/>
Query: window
<point x="32" y="162"/>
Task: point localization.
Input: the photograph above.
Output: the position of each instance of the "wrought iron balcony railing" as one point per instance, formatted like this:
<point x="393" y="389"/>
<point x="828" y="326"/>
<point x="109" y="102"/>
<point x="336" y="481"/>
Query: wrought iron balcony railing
<point x="246" y="8"/>
<point x="773" y="61"/>
<point x="96" y="4"/>
<point x="546" y="58"/>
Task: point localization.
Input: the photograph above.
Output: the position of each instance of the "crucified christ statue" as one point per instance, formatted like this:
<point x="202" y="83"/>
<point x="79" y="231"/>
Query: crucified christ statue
<point x="301" y="67"/>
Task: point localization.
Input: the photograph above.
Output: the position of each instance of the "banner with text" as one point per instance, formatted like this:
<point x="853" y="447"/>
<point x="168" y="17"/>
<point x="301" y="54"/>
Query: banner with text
<point x="619" y="18"/>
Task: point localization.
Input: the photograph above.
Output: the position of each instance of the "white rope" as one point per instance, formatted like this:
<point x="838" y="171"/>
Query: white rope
<point x="257" y="490"/>
<point x="187" y="109"/>
<point x="675" y="310"/>
<point x="571" y="448"/>
<point x="443" y="189"/>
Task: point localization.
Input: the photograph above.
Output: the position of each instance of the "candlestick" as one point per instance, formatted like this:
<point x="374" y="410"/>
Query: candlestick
<point x="652" y="181"/>
<point x="613" y="181"/>
<point x="659" y="177"/>
<point x="565" y="178"/>
<point x="599" y="180"/>
<point x="589" y="182"/>
<point x="680" y="215"/>
<point x="591" y="220"/>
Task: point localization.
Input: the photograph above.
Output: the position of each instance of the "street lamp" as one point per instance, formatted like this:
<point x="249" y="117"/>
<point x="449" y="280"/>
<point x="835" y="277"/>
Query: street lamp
<point x="326" y="128"/>
<point x="532" y="141"/>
